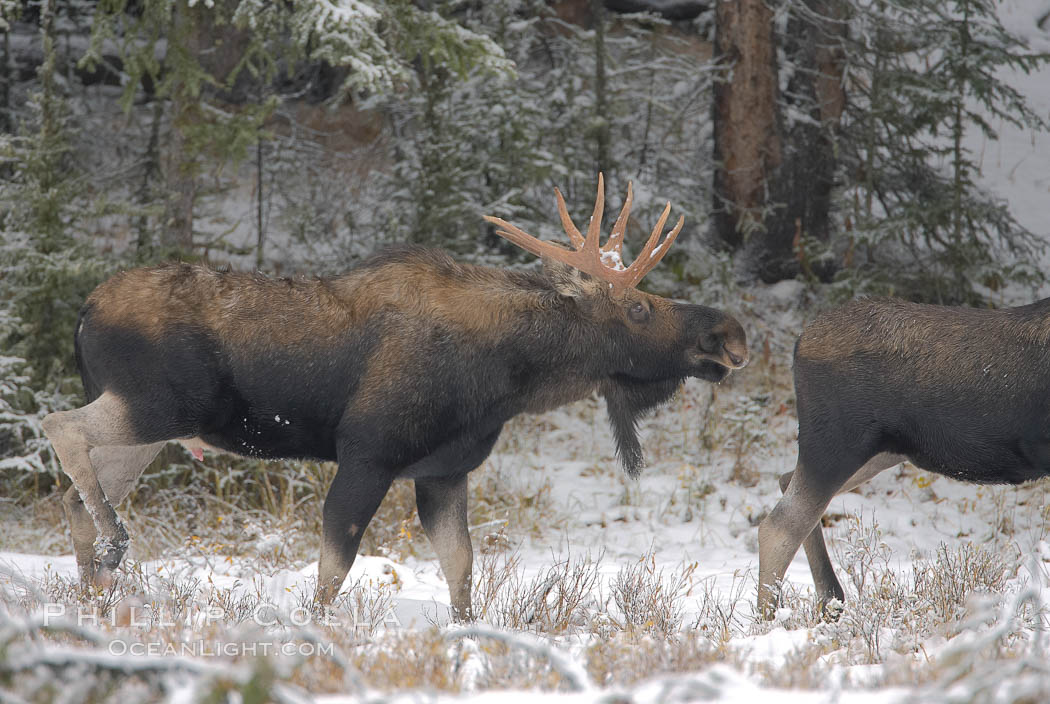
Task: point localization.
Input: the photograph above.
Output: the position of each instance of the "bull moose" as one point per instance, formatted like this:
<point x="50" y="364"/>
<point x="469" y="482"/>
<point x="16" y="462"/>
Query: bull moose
<point x="961" y="392"/>
<point x="406" y="367"/>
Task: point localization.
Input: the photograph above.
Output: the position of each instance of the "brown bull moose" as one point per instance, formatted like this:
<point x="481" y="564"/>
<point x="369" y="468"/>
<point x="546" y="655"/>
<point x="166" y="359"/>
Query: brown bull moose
<point x="406" y="367"/>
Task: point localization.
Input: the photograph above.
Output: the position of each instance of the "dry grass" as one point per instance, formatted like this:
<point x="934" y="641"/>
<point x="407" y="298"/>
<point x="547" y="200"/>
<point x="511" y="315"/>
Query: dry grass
<point x="559" y="599"/>
<point x="634" y="634"/>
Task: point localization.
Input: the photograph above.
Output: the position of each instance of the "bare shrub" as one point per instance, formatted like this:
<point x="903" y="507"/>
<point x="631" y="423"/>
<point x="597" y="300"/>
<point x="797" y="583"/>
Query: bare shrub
<point x="878" y="618"/>
<point x="879" y="615"/>
<point x="494" y="573"/>
<point x="948" y="581"/>
<point x="368" y="606"/>
<point x="559" y="599"/>
<point x="623" y="659"/>
<point x="718" y="618"/>
<point x="862" y="552"/>
<point x="1005" y="658"/>
<point x="649" y="600"/>
<point x="407" y="660"/>
<point x="889" y="612"/>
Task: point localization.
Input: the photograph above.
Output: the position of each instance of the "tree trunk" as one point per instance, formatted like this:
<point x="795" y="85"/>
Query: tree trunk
<point x="150" y="170"/>
<point x="747" y="138"/>
<point x="805" y="181"/>
<point x="180" y="165"/>
<point x="180" y="174"/>
<point x="216" y="47"/>
<point x="49" y="168"/>
<point x="6" y="124"/>
<point x="773" y="179"/>
<point x="260" y="224"/>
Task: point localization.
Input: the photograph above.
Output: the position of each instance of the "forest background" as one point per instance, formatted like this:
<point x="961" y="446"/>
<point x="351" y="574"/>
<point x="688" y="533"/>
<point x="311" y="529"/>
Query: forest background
<point x="812" y="139"/>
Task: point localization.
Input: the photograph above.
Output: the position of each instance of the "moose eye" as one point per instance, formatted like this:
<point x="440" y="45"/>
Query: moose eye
<point x="638" y="312"/>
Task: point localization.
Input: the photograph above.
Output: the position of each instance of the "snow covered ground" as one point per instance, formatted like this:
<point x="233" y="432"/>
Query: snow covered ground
<point x="901" y="545"/>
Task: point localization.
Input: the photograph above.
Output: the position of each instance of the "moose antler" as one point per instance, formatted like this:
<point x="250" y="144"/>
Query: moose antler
<point x="605" y="262"/>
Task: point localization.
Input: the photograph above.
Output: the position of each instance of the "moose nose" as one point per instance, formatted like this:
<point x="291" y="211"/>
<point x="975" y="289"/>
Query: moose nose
<point x="738" y="360"/>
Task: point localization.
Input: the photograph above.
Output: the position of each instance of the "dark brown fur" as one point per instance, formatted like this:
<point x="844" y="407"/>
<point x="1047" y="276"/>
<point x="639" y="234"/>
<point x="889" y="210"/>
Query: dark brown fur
<point x="959" y="391"/>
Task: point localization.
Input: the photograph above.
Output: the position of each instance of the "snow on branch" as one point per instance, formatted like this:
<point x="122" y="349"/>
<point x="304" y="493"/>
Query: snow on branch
<point x="574" y="673"/>
<point x="974" y="662"/>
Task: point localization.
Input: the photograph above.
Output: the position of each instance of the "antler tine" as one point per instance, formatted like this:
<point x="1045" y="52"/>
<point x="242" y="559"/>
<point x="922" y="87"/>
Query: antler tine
<point x="654" y="236"/>
<point x="651" y="255"/>
<point x="567" y="223"/>
<point x="527" y="241"/>
<point x="595" y="225"/>
<point x="615" y="241"/>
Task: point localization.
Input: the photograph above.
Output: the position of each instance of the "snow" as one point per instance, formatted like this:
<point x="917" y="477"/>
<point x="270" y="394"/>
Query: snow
<point x="612" y="259"/>
<point x="906" y="516"/>
<point x="345" y="11"/>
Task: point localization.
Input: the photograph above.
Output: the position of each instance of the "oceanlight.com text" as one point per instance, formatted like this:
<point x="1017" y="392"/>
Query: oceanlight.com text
<point x="210" y="648"/>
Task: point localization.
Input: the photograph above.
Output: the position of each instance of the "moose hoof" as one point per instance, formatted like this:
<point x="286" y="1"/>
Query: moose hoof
<point x="462" y="615"/>
<point x="831" y="610"/>
<point x="108" y="554"/>
<point x="325" y="595"/>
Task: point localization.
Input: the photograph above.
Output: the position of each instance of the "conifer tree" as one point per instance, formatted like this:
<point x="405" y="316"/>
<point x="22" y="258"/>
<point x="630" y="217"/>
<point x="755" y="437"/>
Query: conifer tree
<point x="924" y="74"/>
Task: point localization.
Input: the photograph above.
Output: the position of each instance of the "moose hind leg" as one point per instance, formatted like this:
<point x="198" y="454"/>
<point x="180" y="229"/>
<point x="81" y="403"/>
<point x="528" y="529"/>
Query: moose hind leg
<point x="825" y="582"/>
<point x="352" y="500"/>
<point x="442" y="506"/>
<point x="780" y="534"/>
<point x="73" y="434"/>
<point x="117" y="469"/>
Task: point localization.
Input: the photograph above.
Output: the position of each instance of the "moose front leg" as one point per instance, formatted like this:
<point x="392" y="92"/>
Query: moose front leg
<point x="352" y="500"/>
<point x="442" y="506"/>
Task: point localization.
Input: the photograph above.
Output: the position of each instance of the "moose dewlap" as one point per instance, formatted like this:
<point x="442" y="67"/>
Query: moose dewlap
<point x="406" y="367"/>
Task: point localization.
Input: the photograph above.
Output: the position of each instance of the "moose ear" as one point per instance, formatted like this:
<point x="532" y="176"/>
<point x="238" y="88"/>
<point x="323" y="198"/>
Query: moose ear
<point x="568" y="280"/>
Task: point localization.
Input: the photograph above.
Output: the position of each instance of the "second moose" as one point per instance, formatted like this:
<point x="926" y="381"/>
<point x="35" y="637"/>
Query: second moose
<point x="960" y="392"/>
